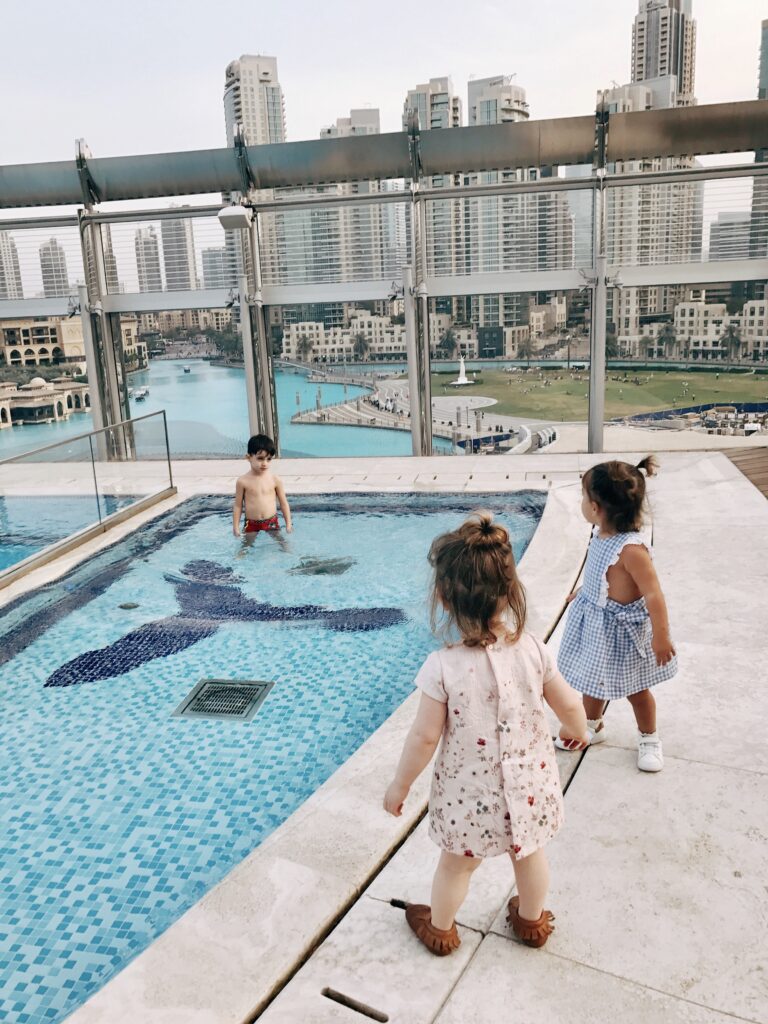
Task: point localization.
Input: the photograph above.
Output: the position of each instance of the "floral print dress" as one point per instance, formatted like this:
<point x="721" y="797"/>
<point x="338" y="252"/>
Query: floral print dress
<point x="495" y="786"/>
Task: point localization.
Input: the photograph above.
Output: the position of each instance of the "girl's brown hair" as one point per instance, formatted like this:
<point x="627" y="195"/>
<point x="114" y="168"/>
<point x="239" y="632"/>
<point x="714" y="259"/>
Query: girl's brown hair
<point x="476" y="581"/>
<point x="619" y="489"/>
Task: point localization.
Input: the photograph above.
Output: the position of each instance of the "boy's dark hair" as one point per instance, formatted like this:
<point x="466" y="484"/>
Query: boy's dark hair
<point x="261" y="443"/>
<point x="619" y="489"/>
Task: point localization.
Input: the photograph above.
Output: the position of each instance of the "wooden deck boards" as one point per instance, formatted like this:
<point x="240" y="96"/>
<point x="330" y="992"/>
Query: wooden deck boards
<point x="754" y="465"/>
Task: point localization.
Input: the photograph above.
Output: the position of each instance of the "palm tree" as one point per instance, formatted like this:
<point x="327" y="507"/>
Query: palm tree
<point x="303" y="347"/>
<point x="360" y="346"/>
<point x="732" y="340"/>
<point x="667" y="338"/>
<point x="447" y="346"/>
<point x="525" y="349"/>
<point x="611" y="341"/>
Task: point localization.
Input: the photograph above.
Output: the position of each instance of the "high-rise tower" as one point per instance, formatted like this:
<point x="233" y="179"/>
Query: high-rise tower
<point x="53" y="265"/>
<point x="179" y="255"/>
<point x="664" y="43"/>
<point x="10" y="273"/>
<point x="148" y="260"/>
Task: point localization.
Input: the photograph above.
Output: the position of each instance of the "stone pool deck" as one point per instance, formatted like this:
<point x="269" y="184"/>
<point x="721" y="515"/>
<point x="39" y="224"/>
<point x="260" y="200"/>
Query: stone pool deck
<point x="658" y="882"/>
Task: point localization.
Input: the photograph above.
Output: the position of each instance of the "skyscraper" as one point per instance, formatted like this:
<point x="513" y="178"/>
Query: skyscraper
<point x="654" y="223"/>
<point x="254" y="99"/>
<point x="110" y="263"/>
<point x="729" y="236"/>
<point x="758" y="236"/>
<point x="363" y="121"/>
<point x="497" y="231"/>
<point x="53" y="265"/>
<point x="368" y="235"/>
<point x="148" y="260"/>
<point x="438" y="106"/>
<point x="215" y="274"/>
<point x="495" y="100"/>
<point x="178" y="255"/>
<point x="664" y="43"/>
<point x="10" y="273"/>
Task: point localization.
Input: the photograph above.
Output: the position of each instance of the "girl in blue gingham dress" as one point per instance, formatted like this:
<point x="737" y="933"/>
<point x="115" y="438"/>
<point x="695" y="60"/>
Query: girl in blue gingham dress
<point x="616" y="641"/>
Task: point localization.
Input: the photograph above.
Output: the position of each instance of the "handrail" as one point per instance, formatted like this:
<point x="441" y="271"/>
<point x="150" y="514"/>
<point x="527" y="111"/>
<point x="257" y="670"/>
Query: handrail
<point x="81" y="437"/>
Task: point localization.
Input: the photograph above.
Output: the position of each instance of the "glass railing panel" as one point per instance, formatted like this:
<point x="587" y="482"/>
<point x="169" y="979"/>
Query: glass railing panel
<point x="694" y="372"/>
<point x="41" y="505"/>
<point x="131" y="462"/>
<point x="510" y="372"/>
<point x="48" y="494"/>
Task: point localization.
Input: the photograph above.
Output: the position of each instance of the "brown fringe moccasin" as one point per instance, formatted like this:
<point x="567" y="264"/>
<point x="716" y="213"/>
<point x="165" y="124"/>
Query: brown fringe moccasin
<point x="440" y="941"/>
<point x="532" y="933"/>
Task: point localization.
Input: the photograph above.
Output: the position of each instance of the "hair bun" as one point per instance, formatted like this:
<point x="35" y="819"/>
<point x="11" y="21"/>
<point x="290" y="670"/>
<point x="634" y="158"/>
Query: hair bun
<point x="482" y="532"/>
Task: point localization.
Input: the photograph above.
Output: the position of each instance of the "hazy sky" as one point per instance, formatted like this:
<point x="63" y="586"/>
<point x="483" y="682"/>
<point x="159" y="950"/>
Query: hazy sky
<point x="147" y="76"/>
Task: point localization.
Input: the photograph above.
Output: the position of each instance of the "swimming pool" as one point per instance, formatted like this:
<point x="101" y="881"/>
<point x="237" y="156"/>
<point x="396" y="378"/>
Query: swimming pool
<point x="30" y="523"/>
<point x="118" y="815"/>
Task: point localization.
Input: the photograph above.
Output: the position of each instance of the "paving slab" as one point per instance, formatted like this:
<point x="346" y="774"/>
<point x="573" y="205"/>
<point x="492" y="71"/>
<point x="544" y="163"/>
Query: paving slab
<point x="661" y="880"/>
<point x="715" y="677"/>
<point x="507" y="982"/>
<point x="376" y="960"/>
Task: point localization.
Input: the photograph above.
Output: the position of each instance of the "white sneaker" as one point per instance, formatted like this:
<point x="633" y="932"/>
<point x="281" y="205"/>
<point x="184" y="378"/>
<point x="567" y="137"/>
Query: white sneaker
<point x="649" y="755"/>
<point x="596" y="730"/>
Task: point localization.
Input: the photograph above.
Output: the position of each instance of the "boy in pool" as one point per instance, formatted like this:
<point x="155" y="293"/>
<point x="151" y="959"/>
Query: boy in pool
<point x="260" y="491"/>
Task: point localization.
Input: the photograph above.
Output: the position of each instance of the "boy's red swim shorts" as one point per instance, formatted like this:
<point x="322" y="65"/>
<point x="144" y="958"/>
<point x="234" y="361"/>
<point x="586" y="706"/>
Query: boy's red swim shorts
<point x="259" y="525"/>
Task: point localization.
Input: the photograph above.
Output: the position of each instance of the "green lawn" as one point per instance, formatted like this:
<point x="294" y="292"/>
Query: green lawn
<point x="558" y="395"/>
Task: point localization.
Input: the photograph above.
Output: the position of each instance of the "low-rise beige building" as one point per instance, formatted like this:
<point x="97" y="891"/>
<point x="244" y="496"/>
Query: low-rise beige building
<point x="50" y="341"/>
<point x="42" y="401"/>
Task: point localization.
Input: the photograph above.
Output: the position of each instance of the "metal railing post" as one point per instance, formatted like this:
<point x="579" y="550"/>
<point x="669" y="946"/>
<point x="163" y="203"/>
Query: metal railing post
<point x="596" y="415"/>
<point x="107" y="375"/>
<point x="412" y="356"/>
<point x="95" y="479"/>
<point x="257" y="352"/>
<point x="167" y="448"/>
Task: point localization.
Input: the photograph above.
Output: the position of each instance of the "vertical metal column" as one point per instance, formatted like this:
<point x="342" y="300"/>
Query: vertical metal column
<point x="411" y="352"/>
<point x="257" y="351"/>
<point x="91" y="359"/>
<point x="106" y="375"/>
<point x="595" y="441"/>
<point x="255" y="419"/>
<point x="425" y="381"/>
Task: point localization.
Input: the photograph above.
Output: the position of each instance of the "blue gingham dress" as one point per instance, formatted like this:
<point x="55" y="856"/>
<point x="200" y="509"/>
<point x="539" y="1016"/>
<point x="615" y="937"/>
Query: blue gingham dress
<point x="606" y="647"/>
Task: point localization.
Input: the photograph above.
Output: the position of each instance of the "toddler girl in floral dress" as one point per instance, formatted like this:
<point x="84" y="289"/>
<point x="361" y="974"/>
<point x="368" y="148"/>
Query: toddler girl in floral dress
<point x="495" y="787"/>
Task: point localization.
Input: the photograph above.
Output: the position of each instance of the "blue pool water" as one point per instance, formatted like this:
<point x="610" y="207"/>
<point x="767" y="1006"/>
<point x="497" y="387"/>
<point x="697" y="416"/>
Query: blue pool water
<point x="207" y="416"/>
<point x="117" y="817"/>
<point x="28" y="524"/>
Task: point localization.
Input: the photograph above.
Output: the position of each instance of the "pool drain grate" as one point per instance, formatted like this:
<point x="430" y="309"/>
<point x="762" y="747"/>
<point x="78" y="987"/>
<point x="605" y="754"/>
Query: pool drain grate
<point x="237" y="699"/>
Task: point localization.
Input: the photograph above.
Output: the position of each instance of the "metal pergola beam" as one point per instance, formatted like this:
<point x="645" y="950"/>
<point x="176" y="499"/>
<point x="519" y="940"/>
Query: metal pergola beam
<point x="689" y="131"/>
<point x="714" y="128"/>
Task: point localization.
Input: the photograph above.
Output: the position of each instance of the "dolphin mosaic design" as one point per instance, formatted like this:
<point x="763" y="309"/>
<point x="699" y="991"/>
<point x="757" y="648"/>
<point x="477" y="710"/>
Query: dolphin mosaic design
<point x="208" y="598"/>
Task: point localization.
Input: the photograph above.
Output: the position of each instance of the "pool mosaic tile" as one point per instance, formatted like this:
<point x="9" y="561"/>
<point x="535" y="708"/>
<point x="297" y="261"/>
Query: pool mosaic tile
<point x="118" y="816"/>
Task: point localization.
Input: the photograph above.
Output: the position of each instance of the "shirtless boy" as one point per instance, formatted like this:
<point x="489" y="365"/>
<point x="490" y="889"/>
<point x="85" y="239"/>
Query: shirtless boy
<point x="260" y="490"/>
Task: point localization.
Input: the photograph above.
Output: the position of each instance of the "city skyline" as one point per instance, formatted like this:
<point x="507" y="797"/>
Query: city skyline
<point x="176" y="103"/>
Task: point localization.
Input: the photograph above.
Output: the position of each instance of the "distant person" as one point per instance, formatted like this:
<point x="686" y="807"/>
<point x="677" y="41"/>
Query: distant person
<point x="260" y="491"/>
<point x="616" y="641"/>
<point x="495" y="786"/>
